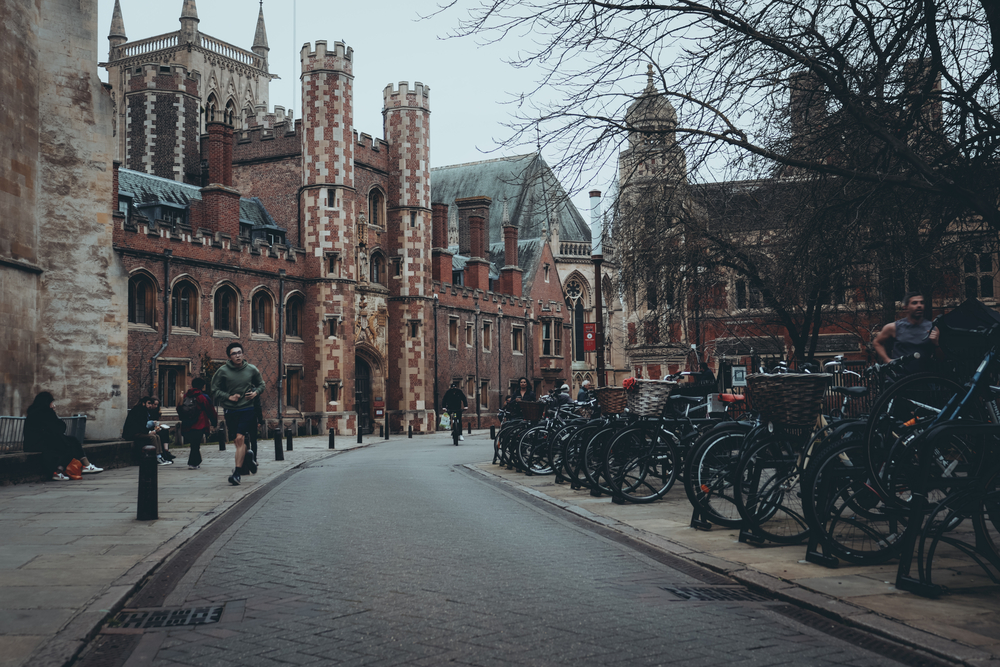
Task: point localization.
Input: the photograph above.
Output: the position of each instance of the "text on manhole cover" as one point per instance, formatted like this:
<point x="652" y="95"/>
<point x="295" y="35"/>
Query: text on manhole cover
<point x="169" y="618"/>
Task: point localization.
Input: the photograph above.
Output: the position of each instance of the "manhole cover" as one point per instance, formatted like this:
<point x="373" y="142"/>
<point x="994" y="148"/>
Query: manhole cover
<point x="169" y="618"/>
<point x="714" y="593"/>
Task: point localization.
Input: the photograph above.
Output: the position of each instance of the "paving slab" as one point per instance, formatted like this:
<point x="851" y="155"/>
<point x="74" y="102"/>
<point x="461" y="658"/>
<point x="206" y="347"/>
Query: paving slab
<point x="73" y="552"/>
<point x="963" y="625"/>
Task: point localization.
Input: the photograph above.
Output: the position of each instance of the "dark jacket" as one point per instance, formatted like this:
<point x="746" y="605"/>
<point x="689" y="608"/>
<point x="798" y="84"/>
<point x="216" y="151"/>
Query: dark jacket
<point x="454" y="400"/>
<point x="208" y="417"/>
<point x="135" y="422"/>
<point x="43" y="429"/>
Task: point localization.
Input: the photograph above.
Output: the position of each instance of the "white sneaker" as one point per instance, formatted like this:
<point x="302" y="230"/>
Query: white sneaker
<point x="162" y="461"/>
<point x="59" y="477"/>
<point x="92" y="469"/>
<point x="461" y="438"/>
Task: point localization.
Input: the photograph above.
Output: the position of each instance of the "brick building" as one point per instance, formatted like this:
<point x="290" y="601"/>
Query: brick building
<point x="319" y="248"/>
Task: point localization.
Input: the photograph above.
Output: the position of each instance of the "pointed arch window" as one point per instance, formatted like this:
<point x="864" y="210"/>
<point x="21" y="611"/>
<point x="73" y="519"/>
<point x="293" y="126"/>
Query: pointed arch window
<point x="184" y="305"/>
<point x="377" y="268"/>
<point x="376" y="209"/>
<point x="262" y="314"/>
<point x="226" y="310"/>
<point x="293" y="317"/>
<point x="141" y="301"/>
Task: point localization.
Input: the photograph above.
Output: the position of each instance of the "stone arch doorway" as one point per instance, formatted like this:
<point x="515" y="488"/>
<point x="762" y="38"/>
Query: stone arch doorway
<point x="363" y="394"/>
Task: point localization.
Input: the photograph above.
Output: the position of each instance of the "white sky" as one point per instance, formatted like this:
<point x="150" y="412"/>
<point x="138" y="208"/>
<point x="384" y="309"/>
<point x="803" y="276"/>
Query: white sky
<point x="469" y="83"/>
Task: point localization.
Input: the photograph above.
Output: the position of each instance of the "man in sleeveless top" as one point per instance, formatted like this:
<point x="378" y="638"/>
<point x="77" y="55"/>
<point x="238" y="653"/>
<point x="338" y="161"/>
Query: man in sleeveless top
<point x="911" y="334"/>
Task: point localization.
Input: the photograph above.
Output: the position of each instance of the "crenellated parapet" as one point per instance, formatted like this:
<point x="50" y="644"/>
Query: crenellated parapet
<point x="339" y="59"/>
<point x="419" y="97"/>
<point x="270" y="119"/>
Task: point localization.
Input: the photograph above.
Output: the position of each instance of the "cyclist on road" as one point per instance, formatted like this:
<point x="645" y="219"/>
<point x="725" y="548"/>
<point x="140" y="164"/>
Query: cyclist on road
<point x="454" y="403"/>
<point x="908" y="335"/>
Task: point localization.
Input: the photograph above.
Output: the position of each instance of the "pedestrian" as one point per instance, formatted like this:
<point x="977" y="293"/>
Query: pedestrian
<point x="45" y="432"/>
<point x="234" y="386"/>
<point x="141" y="421"/>
<point x="562" y="398"/>
<point x="909" y="335"/>
<point x="454" y="402"/>
<point x="198" y="417"/>
<point x="584" y="394"/>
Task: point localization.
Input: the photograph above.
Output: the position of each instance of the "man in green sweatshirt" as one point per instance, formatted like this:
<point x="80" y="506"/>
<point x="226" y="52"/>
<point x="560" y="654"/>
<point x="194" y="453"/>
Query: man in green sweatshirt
<point x="234" y="386"/>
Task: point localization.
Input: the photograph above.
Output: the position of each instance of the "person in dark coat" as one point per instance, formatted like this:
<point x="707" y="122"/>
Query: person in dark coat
<point x="140" y="421"/>
<point x="198" y="431"/>
<point x="45" y="432"/>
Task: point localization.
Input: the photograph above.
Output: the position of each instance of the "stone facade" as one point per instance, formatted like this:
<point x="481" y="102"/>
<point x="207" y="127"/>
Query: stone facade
<point x="63" y="287"/>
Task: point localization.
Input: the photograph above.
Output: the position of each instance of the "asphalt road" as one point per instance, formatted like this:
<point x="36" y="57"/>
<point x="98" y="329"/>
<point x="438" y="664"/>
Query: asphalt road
<point x="396" y="554"/>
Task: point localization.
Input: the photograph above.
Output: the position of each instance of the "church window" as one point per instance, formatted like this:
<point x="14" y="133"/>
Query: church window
<point x="377" y="268"/>
<point x="293" y="317"/>
<point x="226" y="310"/>
<point x="376" y="209"/>
<point x="262" y="314"/>
<point x="141" y="301"/>
<point x="184" y="305"/>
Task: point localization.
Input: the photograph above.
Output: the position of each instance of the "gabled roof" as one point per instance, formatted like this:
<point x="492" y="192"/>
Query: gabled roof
<point x="526" y="182"/>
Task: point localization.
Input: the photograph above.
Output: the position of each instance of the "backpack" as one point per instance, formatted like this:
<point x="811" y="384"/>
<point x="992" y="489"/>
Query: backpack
<point x="189" y="411"/>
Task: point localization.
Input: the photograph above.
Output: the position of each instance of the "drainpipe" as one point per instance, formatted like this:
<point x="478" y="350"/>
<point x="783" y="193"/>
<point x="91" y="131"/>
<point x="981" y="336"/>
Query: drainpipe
<point x="499" y="359"/>
<point x="435" y="355"/>
<point x="281" y="343"/>
<point x="475" y="342"/>
<point x="166" y="319"/>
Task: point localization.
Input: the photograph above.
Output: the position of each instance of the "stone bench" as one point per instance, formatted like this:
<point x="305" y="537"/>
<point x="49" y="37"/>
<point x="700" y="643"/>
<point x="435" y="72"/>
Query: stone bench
<point x="24" y="467"/>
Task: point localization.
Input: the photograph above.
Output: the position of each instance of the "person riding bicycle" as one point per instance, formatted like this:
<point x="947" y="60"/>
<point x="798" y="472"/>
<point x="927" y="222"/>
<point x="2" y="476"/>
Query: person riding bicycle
<point x="454" y="402"/>
<point x="909" y="335"/>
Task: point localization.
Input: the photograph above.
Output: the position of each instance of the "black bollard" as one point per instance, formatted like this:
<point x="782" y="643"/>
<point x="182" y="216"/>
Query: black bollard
<point x="279" y="455"/>
<point x="359" y="434"/>
<point x="333" y="442"/>
<point x="387" y="427"/>
<point x="223" y="436"/>
<point x="146" y="507"/>
<point x="493" y="432"/>
<point x="288" y="442"/>
<point x="409" y="431"/>
<point x="470" y="427"/>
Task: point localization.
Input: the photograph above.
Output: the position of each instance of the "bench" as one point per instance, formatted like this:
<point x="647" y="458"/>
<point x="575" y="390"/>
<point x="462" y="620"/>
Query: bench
<point x="18" y="466"/>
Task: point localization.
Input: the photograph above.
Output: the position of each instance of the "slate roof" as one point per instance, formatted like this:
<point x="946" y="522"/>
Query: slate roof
<point x="148" y="189"/>
<point x="526" y="182"/>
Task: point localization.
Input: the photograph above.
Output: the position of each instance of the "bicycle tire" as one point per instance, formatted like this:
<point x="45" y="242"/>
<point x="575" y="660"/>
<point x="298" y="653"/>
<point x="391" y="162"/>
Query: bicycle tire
<point x="592" y="457"/>
<point x="845" y="514"/>
<point x="708" y="472"/>
<point x="641" y="464"/>
<point x="531" y="449"/>
<point x="573" y="453"/>
<point x="768" y="498"/>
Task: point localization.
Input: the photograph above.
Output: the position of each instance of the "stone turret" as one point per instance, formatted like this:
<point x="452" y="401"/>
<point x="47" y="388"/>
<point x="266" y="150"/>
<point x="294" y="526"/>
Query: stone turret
<point x="189" y="23"/>
<point x="117" y="35"/>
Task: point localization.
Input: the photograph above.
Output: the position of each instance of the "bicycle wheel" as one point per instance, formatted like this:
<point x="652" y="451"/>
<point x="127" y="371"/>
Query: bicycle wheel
<point x="641" y="464"/>
<point x="572" y="459"/>
<point x="557" y="445"/>
<point x="592" y="458"/>
<point x="768" y="497"/>
<point x="531" y="451"/>
<point x="709" y="469"/>
<point x="842" y="509"/>
<point x="902" y="412"/>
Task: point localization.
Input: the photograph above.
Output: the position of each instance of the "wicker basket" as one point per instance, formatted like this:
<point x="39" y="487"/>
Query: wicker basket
<point x="611" y="399"/>
<point x="531" y="410"/>
<point x="792" y="399"/>
<point x="651" y="397"/>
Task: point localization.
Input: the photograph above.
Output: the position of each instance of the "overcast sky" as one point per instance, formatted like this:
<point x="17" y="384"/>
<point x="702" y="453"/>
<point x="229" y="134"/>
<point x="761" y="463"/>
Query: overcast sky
<point x="469" y="83"/>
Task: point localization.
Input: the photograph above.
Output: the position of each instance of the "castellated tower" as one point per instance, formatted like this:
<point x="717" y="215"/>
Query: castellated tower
<point x="406" y="119"/>
<point x="328" y="213"/>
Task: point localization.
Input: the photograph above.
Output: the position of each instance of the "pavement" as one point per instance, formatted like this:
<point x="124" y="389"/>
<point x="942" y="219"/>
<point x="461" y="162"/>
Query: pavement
<point x="72" y="553"/>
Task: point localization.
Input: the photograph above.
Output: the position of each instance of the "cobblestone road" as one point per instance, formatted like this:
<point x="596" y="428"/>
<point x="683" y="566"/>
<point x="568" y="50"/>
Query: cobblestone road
<point x="394" y="555"/>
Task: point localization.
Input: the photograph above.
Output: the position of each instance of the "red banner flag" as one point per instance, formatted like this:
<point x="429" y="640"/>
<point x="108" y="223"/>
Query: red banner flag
<point x="590" y="336"/>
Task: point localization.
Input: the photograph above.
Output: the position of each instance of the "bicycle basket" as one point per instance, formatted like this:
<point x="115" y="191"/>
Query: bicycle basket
<point x="965" y="333"/>
<point x="651" y="397"/>
<point x="531" y="410"/>
<point x="791" y="399"/>
<point x="611" y="399"/>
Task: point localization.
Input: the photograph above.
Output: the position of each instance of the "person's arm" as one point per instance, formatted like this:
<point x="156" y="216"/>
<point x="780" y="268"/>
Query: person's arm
<point x="256" y="383"/>
<point x="217" y="390"/>
<point x="887" y="333"/>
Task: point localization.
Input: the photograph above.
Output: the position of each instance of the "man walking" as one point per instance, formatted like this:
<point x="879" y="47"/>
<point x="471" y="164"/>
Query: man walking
<point x="909" y="335"/>
<point x="234" y="386"/>
<point x="198" y="417"/>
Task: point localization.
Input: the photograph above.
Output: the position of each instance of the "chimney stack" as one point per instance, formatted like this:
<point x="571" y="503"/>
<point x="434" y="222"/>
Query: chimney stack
<point x="510" y="274"/>
<point x="221" y="203"/>
<point x="441" y="256"/>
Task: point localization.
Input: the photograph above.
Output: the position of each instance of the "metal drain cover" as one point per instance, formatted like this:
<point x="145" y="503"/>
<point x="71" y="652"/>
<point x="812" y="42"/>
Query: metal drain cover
<point x="169" y="618"/>
<point x="714" y="594"/>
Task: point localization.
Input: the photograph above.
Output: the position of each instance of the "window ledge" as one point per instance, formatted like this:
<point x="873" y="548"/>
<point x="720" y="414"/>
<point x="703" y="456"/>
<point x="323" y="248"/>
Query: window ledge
<point x="260" y="336"/>
<point x="132" y="326"/>
<point x="296" y="339"/>
<point x="224" y="334"/>
<point x="183" y="331"/>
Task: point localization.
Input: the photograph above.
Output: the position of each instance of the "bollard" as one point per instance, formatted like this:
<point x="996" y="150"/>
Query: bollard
<point x="223" y="436"/>
<point x="470" y="427"/>
<point x="288" y="442"/>
<point x="146" y="506"/>
<point x="409" y="431"/>
<point x="380" y="431"/>
<point x="333" y="443"/>
<point x="387" y="427"/>
<point x="359" y="434"/>
<point x="493" y="432"/>
<point x="279" y="455"/>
